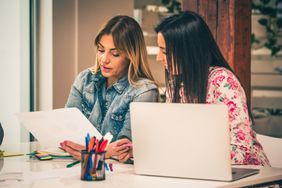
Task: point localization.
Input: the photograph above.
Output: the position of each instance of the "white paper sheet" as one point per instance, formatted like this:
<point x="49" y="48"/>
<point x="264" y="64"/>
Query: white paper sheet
<point x="54" y="126"/>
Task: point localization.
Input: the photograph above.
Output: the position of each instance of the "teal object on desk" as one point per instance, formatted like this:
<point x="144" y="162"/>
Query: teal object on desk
<point x="72" y="164"/>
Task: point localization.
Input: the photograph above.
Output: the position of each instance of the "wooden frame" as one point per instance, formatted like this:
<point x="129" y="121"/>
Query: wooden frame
<point x="230" y="23"/>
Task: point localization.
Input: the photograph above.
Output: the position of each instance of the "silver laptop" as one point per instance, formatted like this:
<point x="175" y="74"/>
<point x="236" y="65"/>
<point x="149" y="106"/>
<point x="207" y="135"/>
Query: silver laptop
<point x="183" y="140"/>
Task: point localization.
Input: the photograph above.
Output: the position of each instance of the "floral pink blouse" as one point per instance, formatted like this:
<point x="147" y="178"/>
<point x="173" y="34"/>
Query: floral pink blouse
<point x="224" y="87"/>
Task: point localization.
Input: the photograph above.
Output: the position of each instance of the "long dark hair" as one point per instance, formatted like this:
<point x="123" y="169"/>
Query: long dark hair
<point x="191" y="50"/>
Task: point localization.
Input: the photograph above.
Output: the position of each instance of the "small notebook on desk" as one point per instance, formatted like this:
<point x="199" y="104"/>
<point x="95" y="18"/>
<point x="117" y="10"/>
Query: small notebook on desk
<point x="183" y="140"/>
<point x="11" y="154"/>
<point x="57" y="152"/>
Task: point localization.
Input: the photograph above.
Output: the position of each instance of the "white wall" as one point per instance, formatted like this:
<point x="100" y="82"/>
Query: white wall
<point x="14" y="67"/>
<point x="45" y="56"/>
<point x="66" y="32"/>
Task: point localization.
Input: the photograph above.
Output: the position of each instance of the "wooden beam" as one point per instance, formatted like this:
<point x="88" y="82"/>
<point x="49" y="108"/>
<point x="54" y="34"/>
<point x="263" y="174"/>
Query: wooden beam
<point x="242" y="44"/>
<point x="191" y="5"/>
<point x="230" y="23"/>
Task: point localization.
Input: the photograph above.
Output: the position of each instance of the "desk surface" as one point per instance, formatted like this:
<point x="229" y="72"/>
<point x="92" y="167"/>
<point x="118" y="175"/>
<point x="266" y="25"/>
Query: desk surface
<point x="23" y="171"/>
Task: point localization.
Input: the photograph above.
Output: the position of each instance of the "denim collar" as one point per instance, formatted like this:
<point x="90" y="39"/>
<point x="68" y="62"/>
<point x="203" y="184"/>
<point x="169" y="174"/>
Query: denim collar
<point x="119" y="86"/>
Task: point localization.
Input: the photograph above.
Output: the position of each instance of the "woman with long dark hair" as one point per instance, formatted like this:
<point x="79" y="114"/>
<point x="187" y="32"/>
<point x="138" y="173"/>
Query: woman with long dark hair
<point x="196" y="72"/>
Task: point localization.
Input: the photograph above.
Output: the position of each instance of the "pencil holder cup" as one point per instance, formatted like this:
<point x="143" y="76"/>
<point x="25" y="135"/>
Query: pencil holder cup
<point x="92" y="166"/>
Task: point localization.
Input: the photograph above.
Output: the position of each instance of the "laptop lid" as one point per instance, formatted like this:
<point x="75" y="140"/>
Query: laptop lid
<point x="181" y="140"/>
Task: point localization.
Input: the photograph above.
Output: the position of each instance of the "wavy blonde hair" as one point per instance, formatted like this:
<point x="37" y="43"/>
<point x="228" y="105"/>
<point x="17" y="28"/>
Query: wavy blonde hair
<point x="128" y="38"/>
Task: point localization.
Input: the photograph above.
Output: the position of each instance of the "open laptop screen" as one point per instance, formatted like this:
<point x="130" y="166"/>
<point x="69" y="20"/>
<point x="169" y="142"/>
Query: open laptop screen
<point x="181" y="140"/>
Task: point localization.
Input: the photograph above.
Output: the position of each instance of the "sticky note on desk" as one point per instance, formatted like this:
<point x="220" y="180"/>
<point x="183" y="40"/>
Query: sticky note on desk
<point x="11" y="154"/>
<point x="43" y="156"/>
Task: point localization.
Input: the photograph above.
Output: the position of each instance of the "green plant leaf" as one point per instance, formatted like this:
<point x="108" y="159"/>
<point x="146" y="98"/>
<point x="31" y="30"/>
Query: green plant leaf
<point x="265" y="1"/>
<point x="279" y="22"/>
<point x="173" y="6"/>
<point x="254" y="40"/>
<point x="263" y="21"/>
<point x="255" y="6"/>
<point x="166" y="2"/>
<point x="271" y="22"/>
<point x="268" y="11"/>
<point x="275" y="50"/>
<point x="269" y="30"/>
<point x="272" y="41"/>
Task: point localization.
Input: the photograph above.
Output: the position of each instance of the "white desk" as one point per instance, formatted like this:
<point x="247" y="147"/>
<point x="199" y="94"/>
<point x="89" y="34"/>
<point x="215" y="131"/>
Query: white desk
<point x="25" y="172"/>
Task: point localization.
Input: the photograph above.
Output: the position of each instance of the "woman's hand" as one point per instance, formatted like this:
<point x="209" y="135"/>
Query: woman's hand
<point x="121" y="148"/>
<point x="72" y="148"/>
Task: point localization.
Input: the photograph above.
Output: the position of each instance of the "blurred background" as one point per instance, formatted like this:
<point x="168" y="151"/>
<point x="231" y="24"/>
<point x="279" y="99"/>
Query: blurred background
<point x="44" y="44"/>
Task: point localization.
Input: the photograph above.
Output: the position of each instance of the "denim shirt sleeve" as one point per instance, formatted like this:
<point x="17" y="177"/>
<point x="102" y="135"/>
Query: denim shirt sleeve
<point x="147" y="96"/>
<point x="75" y="96"/>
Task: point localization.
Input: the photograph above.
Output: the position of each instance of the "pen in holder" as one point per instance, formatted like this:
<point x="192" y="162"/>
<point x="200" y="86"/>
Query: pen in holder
<point x="92" y="166"/>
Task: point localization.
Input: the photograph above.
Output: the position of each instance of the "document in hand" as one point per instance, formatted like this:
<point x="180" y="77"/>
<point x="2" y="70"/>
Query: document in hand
<point x="54" y="126"/>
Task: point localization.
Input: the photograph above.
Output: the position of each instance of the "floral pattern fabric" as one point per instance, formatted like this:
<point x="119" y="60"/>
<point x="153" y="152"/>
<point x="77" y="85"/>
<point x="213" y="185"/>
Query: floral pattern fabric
<point x="224" y="87"/>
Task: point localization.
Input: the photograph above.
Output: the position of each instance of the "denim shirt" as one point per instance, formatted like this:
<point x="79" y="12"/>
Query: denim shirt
<point x="108" y="108"/>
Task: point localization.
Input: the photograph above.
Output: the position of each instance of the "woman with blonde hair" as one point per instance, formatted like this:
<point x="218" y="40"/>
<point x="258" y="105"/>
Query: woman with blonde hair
<point x="121" y="76"/>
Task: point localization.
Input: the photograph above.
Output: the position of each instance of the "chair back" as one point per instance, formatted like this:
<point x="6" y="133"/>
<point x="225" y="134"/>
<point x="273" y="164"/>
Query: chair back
<point x="273" y="149"/>
<point x="1" y="134"/>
